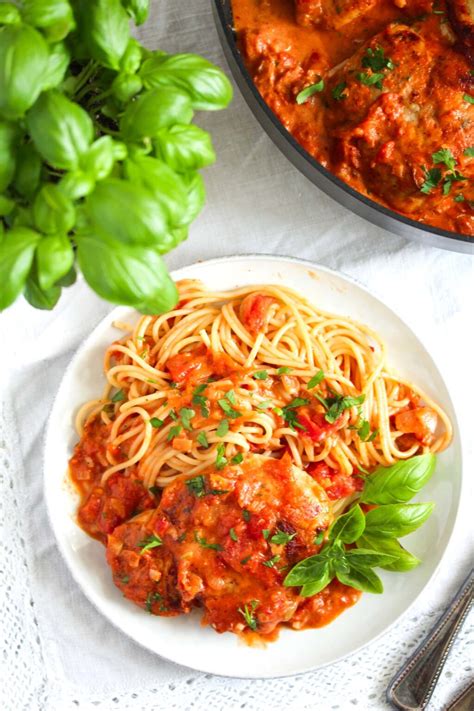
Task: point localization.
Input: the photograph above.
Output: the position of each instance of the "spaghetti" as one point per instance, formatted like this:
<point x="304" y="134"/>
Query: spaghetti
<point x="266" y="343"/>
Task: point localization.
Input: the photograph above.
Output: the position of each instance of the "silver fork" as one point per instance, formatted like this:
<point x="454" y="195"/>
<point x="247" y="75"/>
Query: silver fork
<point x="413" y="685"/>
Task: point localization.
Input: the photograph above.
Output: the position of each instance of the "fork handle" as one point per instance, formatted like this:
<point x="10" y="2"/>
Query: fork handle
<point x="412" y="687"/>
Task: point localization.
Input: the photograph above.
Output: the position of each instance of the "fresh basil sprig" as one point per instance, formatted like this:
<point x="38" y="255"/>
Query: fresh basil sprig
<point x="99" y="159"/>
<point x="374" y="533"/>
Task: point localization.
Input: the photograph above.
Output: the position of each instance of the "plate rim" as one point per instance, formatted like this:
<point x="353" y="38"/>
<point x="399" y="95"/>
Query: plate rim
<point x="63" y="549"/>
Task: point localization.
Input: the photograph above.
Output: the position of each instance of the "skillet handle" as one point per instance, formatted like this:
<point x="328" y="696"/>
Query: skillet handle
<point x="412" y="687"/>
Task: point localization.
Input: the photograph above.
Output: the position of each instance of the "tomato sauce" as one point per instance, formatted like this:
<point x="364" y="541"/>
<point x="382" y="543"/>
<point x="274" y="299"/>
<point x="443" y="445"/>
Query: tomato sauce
<point x="396" y="89"/>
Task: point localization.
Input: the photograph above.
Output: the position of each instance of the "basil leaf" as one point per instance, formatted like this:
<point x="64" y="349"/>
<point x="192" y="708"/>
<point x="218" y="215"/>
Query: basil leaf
<point x="184" y="147"/>
<point x="134" y="275"/>
<point x="53" y="212"/>
<point x="154" y="110"/>
<point x="348" y="527"/>
<point x="127" y="213"/>
<point x="166" y="186"/>
<point x="45" y="299"/>
<point x="53" y="17"/>
<point x="137" y="9"/>
<point x="8" y="138"/>
<point x="402" y="559"/>
<point x="367" y="558"/>
<point x="400" y="482"/>
<point x="205" y="83"/>
<point x="195" y="197"/>
<point x="308" y="570"/>
<point x="364" y="579"/>
<point x="103" y="28"/>
<point x="9" y="14"/>
<point x="310" y="589"/>
<point x="17" y="248"/>
<point x="28" y="169"/>
<point x="61" y="130"/>
<point x="396" y="520"/>
<point x="58" y="62"/>
<point x="99" y="159"/>
<point x="54" y="257"/>
<point x="23" y="61"/>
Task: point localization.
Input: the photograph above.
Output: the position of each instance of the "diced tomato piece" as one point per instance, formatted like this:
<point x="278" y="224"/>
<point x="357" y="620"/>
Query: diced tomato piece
<point x="336" y="484"/>
<point x="254" y="311"/>
<point x="316" y="427"/>
<point x="194" y="366"/>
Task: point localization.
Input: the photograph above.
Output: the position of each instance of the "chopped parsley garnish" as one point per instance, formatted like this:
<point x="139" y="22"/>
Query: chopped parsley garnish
<point x="221" y="461"/>
<point x="197" y="485"/>
<point x="451" y="178"/>
<point x="182" y="537"/>
<point x="338" y="91"/>
<point x="151" y="598"/>
<point x="155" y="490"/>
<point x="238" y="458"/>
<point x="432" y="179"/>
<point x="248" y="614"/>
<point x="260" y="375"/>
<point x="308" y="91"/>
<point x="265" y="533"/>
<point x="337" y="404"/>
<point x="202" y="439"/>
<point x="246" y="515"/>
<point x="265" y="405"/>
<point x="118" y="396"/>
<point x="149" y="543"/>
<point x="459" y="198"/>
<point x="125" y="579"/>
<point x="245" y="560"/>
<point x="199" y="400"/>
<point x="318" y="539"/>
<point x="284" y="370"/>
<point x="228" y="409"/>
<point x="173" y="385"/>
<point x="174" y="432"/>
<point x="315" y="380"/>
<point x="187" y="414"/>
<point x="278" y="411"/>
<point x="289" y="415"/>
<point x="374" y="79"/>
<point x="156" y="422"/>
<point x="445" y="156"/>
<point x="233" y="534"/>
<point x="222" y="428"/>
<point x="281" y="538"/>
<point x="468" y="98"/>
<point x="202" y="542"/>
<point x="376" y="60"/>
<point x="173" y="415"/>
<point x="469" y="152"/>
<point x="271" y="562"/>
<point x="230" y="395"/>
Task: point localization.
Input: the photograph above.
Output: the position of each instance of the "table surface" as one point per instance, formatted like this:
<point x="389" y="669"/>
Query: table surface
<point x="58" y="652"/>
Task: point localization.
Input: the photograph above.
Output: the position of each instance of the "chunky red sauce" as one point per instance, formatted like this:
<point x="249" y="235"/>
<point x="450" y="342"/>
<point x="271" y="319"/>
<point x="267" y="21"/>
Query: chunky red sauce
<point x="398" y="87"/>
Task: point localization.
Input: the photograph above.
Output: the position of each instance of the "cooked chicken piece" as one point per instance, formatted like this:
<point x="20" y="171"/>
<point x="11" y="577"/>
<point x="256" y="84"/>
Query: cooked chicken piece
<point x="392" y="107"/>
<point x="461" y="14"/>
<point x="334" y="14"/>
<point x="211" y="542"/>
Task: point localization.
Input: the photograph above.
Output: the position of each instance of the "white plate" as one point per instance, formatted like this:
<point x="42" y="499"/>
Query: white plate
<point x="183" y="639"/>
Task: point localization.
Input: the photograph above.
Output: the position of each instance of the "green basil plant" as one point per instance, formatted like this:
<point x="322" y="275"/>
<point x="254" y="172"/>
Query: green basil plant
<point x="99" y="157"/>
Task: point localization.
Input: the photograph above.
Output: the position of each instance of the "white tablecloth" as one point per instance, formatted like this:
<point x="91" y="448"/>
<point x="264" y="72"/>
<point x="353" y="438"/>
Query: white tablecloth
<point x="58" y="652"/>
